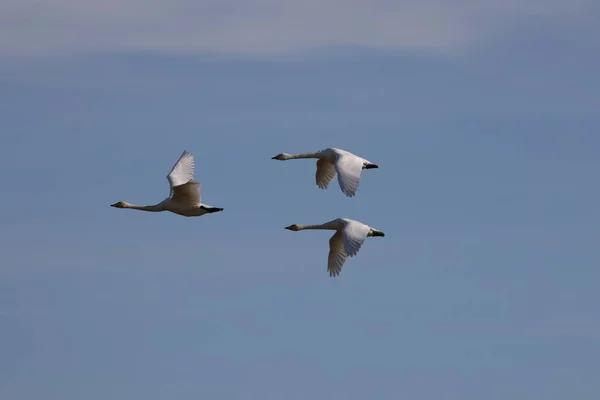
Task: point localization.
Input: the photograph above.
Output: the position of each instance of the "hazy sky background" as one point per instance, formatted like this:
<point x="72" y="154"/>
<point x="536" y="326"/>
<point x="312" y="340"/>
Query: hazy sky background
<point x="483" y="119"/>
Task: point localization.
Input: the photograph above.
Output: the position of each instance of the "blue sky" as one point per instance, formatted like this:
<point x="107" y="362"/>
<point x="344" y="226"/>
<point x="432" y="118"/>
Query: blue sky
<point x="483" y="120"/>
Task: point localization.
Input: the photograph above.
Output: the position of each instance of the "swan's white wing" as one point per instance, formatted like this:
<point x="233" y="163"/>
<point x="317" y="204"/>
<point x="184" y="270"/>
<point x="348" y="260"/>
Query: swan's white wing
<point x="188" y="193"/>
<point x="355" y="234"/>
<point x="337" y="255"/>
<point x="183" y="170"/>
<point x="325" y="173"/>
<point x="349" y="167"/>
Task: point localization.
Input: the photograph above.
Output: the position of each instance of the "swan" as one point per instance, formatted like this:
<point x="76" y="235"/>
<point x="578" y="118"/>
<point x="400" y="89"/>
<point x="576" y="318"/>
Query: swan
<point x="185" y="192"/>
<point x="329" y="161"/>
<point x="345" y="242"/>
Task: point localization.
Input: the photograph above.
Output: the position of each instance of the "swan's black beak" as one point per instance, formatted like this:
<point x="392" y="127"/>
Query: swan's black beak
<point x="371" y="166"/>
<point x="378" y="233"/>
<point x="274" y="158"/>
<point x="114" y="205"/>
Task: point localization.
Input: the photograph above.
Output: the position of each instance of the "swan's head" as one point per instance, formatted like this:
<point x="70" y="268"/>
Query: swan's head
<point x="282" y="157"/>
<point x="120" y="204"/>
<point x="294" y="227"/>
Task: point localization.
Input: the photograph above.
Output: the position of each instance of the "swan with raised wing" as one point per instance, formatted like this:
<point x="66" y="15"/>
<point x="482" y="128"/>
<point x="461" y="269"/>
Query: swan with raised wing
<point x="331" y="161"/>
<point x="185" y="192"/>
<point x="344" y="243"/>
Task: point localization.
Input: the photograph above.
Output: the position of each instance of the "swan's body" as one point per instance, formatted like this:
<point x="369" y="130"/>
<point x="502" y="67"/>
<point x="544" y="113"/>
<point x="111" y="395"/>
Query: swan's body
<point x="346" y="241"/>
<point x="331" y="161"/>
<point x="185" y="192"/>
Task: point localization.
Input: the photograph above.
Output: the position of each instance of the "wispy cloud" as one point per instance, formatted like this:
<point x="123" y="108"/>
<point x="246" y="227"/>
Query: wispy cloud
<point x="263" y="26"/>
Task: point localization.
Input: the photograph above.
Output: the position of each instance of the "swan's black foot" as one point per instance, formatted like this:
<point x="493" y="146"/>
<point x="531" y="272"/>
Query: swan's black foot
<point x="211" y="209"/>
<point x="371" y="166"/>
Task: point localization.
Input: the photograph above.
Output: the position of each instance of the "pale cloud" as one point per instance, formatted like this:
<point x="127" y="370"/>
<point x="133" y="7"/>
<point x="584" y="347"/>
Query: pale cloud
<point x="264" y="27"/>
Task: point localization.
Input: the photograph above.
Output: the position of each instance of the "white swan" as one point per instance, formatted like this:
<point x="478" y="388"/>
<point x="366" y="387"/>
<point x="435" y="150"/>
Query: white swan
<point x="347" y="165"/>
<point x="344" y="243"/>
<point x="185" y="192"/>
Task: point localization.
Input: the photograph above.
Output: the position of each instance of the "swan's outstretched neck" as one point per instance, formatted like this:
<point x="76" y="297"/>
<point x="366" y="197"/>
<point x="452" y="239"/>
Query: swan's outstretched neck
<point x="298" y="227"/>
<point x="285" y="156"/>
<point x="316" y="226"/>
<point x="155" y="208"/>
<point x="312" y="154"/>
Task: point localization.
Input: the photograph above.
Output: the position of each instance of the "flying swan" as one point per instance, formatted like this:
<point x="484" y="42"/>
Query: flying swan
<point x="347" y="165"/>
<point x="345" y="242"/>
<point x="185" y="192"/>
